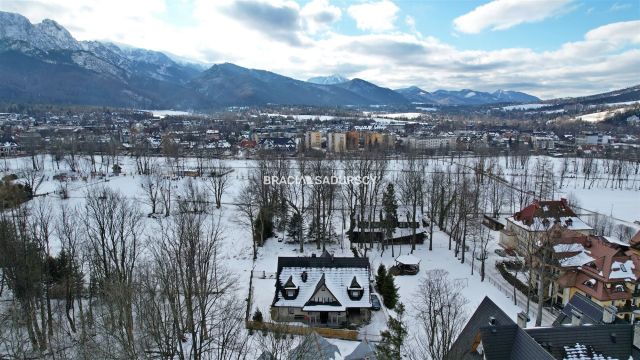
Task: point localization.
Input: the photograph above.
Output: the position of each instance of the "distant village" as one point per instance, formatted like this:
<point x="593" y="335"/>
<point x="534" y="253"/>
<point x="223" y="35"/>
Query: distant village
<point x="247" y="132"/>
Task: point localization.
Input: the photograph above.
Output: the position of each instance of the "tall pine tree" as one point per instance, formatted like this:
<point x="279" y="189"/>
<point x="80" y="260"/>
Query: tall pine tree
<point x="389" y="291"/>
<point x="390" y="348"/>
<point x="390" y="208"/>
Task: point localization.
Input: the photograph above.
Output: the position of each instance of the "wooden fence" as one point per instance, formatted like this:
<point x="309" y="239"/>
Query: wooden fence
<point x="343" y="334"/>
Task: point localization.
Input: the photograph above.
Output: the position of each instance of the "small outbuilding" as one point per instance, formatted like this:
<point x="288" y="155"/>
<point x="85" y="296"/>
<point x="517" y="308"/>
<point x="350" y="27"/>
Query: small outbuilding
<point x="408" y="264"/>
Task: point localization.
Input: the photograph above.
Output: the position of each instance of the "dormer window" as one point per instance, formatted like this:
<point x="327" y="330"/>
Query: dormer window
<point x="355" y="290"/>
<point x="290" y="289"/>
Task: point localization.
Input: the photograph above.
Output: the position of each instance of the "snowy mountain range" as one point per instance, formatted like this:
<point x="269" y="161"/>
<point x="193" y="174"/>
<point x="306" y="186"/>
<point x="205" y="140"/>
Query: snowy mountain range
<point x="465" y="97"/>
<point x="43" y="63"/>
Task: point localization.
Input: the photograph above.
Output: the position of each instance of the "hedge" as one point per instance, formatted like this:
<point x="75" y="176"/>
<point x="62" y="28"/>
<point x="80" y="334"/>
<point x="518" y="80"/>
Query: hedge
<point x="514" y="281"/>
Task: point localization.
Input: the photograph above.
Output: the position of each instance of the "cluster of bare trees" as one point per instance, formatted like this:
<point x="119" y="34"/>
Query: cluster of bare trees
<point x="113" y="292"/>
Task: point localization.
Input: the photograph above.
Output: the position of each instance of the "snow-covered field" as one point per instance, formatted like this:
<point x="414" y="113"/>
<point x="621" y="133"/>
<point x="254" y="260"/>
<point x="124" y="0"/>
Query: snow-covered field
<point x="237" y="246"/>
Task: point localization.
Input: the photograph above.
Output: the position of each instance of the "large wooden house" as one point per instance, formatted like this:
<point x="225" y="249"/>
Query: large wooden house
<point x="322" y="291"/>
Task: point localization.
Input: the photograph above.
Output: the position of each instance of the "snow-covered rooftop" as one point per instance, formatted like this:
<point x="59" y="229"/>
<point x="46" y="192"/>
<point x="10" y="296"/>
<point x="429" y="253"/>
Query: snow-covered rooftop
<point x="337" y="281"/>
<point x="408" y="259"/>
<point x="622" y="270"/>
<point x="563" y="248"/>
<point x="579" y="259"/>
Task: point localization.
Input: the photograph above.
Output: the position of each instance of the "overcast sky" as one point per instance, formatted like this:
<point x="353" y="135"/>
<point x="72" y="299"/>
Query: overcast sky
<point x="548" y="48"/>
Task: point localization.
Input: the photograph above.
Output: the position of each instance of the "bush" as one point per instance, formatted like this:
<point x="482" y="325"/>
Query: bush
<point x="12" y="195"/>
<point x="257" y="316"/>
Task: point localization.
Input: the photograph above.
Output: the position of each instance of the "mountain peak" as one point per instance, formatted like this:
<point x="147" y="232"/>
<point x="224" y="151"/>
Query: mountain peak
<point x="57" y="37"/>
<point x="47" y="35"/>
<point x="328" y="80"/>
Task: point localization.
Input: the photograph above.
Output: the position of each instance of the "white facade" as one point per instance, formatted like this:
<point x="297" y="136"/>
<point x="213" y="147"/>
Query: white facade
<point x="435" y="142"/>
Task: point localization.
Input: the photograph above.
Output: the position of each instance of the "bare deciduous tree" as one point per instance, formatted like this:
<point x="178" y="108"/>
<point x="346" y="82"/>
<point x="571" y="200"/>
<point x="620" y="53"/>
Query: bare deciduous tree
<point x="218" y="180"/>
<point x="441" y="315"/>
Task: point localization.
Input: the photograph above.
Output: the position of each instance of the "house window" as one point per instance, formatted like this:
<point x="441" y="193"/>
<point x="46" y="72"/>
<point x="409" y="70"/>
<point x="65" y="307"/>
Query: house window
<point x="290" y="293"/>
<point x="291" y="311"/>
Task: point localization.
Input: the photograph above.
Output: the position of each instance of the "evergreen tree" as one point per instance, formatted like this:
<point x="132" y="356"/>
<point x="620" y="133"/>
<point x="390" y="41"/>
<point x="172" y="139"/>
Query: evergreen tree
<point x="390" y="208"/>
<point x="389" y="291"/>
<point x="390" y="347"/>
<point x="381" y="277"/>
<point x="295" y="226"/>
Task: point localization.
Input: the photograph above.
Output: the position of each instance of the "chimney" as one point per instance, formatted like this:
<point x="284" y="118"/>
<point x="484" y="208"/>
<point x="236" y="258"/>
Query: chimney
<point x="576" y="317"/>
<point x="522" y="319"/>
<point x="304" y="276"/>
<point x="313" y="255"/>
<point x="609" y="314"/>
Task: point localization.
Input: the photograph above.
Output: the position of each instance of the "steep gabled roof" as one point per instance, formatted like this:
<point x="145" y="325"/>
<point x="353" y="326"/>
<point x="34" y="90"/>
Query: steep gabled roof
<point x="364" y="350"/>
<point x="335" y="273"/>
<point x="462" y="348"/>
<point x="315" y="347"/>
<point x="322" y="283"/>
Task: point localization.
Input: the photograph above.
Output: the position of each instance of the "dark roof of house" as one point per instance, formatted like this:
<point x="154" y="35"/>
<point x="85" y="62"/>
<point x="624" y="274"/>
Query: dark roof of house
<point x="462" y="347"/>
<point x="591" y="312"/>
<point x="364" y="350"/>
<point x="323" y="262"/>
<point x="314" y="347"/>
<point x="509" y="342"/>
<point x="502" y="339"/>
<point x="613" y="340"/>
<point x="354" y="284"/>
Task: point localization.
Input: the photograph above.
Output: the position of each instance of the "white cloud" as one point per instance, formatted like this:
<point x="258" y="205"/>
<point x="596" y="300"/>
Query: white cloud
<point x="319" y="15"/>
<point x="606" y="57"/>
<point x="618" y="6"/>
<point x="375" y="16"/>
<point x="504" y="14"/>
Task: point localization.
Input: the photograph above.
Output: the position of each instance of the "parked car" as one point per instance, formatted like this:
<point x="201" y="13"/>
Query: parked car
<point x="375" y="302"/>
<point x="500" y="252"/>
